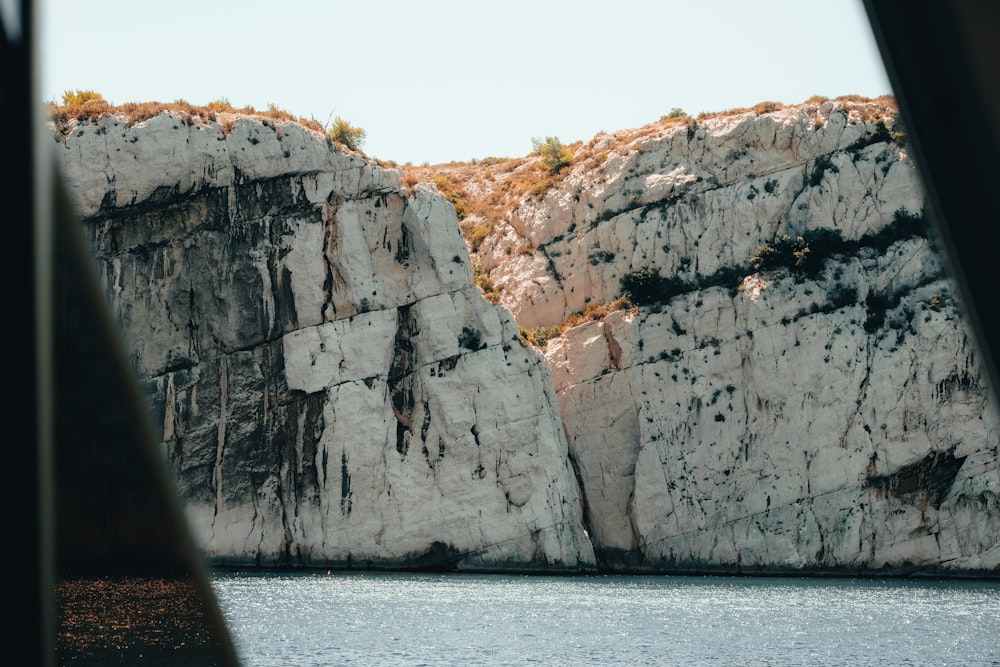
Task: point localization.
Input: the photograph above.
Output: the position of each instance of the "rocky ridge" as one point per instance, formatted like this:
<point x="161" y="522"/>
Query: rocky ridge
<point x="797" y="391"/>
<point x="332" y="389"/>
<point x="788" y="386"/>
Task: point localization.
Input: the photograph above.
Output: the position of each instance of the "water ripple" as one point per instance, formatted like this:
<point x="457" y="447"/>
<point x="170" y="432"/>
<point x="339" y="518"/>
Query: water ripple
<point x="314" y="619"/>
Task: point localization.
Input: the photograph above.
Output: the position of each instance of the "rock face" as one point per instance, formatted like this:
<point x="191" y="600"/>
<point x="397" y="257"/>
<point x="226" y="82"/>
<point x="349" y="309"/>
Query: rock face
<point x="792" y="389"/>
<point x="762" y="411"/>
<point x="332" y="389"/>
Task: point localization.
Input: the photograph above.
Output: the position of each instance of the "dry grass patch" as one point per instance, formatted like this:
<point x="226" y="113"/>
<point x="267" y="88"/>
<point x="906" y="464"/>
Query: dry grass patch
<point x="869" y="110"/>
<point x="275" y="112"/>
<point x="89" y="106"/>
<point x="486" y="192"/>
<point x="140" y="113"/>
<point x="540" y="336"/>
<point x="766" y="107"/>
<point x="736" y="111"/>
<point x="483" y="282"/>
<point x="597" y="311"/>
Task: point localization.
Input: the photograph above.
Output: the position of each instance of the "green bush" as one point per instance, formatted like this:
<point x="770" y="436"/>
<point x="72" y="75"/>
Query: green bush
<point x="803" y="255"/>
<point x="821" y="244"/>
<point x="784" y="253"/>
<point x="471" y="339"/>
<point x="646" y="286"/>
<point x="342" y="132"/>
<point x="821" y="166"/>
<point x="71" y="97"/>
<point x="842" y="296"/>
<point x="877" y="303"/>
<point x="675" y="114"/>
<point x="728" y="277"/>
<point x="896" y="130"/>
<point x="904" y="225"/>
<point x="538" y="336"/>
<point x="555" y="156"/>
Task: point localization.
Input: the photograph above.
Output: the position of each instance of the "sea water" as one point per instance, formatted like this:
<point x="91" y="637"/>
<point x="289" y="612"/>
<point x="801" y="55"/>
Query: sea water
<point x="373" y="619"/>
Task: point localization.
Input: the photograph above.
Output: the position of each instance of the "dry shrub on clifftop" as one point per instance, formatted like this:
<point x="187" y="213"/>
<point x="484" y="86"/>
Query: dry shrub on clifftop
<point x="345" y="134"/>
<point x="90" y="106"/>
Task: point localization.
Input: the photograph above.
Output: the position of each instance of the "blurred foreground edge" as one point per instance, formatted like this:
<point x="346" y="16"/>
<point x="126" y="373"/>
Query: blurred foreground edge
<point x="112" y="574"/>
<point x="943" y="63"/>
<point x="108" y="574"/>
<point x="130" y="586"/>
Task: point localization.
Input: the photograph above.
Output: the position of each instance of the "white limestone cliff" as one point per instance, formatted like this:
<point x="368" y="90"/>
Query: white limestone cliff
<point x="332" y="389"/>
<point x="830" y="421"/>
<point x="689" y="199"/>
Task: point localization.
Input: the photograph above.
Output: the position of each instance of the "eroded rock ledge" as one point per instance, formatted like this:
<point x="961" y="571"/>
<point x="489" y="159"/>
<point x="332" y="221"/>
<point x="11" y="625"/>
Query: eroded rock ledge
<point x="822" y="416"/>
<point x="334" y="391"/>
<point x="331" y="388"/>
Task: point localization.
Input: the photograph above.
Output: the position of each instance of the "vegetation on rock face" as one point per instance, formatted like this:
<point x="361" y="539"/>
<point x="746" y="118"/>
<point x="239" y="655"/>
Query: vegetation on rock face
<point x="904" y="225"/>
<point x="483" y="282"/>
<point x="540" y="336"/>
<point x="646" y="287"/>
<point x="766" y="107"/>
<point x="79" y="104"/>
<point x="342" y="132"/>
<point x="801" y="257"/>
<point x="88" y="105"/>
<point x="676" y="114"/>
<point x="487" y="192"/>
<point x="555" y="156"/>
<point x="74" y="97"/>
<point x="471" y="339"/>
<point x="804" y="255"/>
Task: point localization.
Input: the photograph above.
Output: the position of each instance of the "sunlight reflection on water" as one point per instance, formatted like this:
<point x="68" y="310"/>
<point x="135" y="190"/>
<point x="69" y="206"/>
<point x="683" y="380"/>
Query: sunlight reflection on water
<point x="283" y="620"/>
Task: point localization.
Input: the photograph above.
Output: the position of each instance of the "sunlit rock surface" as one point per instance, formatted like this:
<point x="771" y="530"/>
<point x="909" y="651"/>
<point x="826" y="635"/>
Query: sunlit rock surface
<point x="331" y="389"/>
<point x="823" y="420"/>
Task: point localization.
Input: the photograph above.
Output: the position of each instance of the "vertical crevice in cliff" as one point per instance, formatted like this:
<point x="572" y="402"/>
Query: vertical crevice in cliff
<point x="192" y="326"/>
<point x="345" y="485"/>
<point x="550" y="264"/>
<point x="400" y="380"/>
<point x="298" y="425"/>
<point x="331" y="275"/>
<point x="614" y="349"/>
<point x="862" y="392"/>
<point x="581" y="490"/>
<point x="402" y="255"/>
<point x="286" y="297"/>
<point x="220" y="443"/>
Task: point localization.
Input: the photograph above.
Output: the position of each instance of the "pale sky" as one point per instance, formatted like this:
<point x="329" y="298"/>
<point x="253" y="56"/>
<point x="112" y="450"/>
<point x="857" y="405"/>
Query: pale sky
<point x="443" y="80"/>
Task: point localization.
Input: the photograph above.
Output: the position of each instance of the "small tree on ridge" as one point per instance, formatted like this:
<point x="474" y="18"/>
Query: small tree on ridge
<point x="555" y="156"/>
<point x="342" y="132"/>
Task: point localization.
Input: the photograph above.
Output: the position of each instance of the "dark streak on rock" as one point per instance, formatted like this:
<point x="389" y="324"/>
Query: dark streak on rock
<point x="930" y="478"/>
<point x="345" y="486"/>
<point x="399" y="380"/>
<point x="403" y="247"/>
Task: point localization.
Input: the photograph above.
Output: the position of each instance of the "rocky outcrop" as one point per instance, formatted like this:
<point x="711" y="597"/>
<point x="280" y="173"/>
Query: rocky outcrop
<point x="732" y="435"/>
<point x="332" y="389"/>
<point x="788" y="388"/>
<point x="762" y="411"/>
